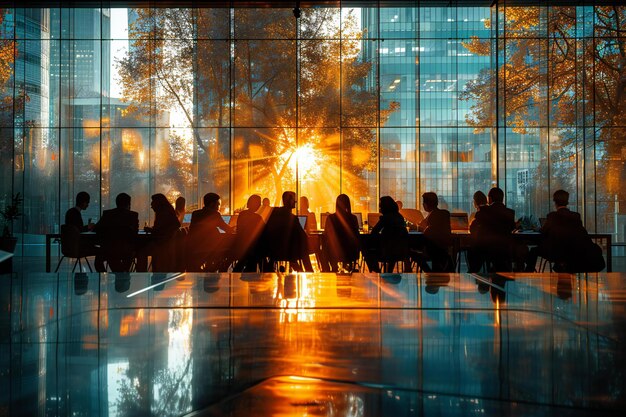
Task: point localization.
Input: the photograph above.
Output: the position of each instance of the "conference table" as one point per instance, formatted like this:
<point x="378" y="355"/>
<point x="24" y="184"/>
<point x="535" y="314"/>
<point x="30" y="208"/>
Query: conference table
<point x="56" y="237"/>
<point x="461" y="241"/>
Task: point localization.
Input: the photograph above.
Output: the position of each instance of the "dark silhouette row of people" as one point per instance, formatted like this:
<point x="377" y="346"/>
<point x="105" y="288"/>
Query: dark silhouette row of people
<point x="266" y="237"/>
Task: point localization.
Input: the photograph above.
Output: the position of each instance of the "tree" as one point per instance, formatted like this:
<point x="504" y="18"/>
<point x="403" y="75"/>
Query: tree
<point x="572" y="81"/>
<point x="7" y="59"/>
<point x="283" y="84"/>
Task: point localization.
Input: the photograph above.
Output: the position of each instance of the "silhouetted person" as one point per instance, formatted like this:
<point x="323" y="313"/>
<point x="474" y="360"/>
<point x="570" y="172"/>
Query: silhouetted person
<point x="249" y="229"/>
<point x="162" y="233"/>
<point x="265" y="209"/>
<point x="479" y="200"/>
<point x="392" y="244"/>
<point x="475" y="254"/>
<point x="74" y="217"/>
<point x="413" y="216"/>
<point x="81" y="283"/>
<point x="303" y="210"/>
<point x="179" y="208"/>
<point x="117" y="233"/>
<point x="341" y="236"/>
<point x="283" y="237"/>
<point x="433" y="282"/>
<point x="565" y="241"/>
<point x="205" y="245"/>
<point x="122" y="281"/>
<point x="437" y="236"/>
<point x="491" y="232"/>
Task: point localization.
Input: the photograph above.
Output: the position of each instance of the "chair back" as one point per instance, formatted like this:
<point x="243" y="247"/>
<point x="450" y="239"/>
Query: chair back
<point x="372" y="219"/>
<point x="323" y="217"/>
<point x="70" y="241"/>
<point x="394" y="244"/>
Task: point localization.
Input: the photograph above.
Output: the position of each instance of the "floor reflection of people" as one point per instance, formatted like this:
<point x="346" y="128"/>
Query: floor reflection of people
<point x="211" y="283"/>
<point x="498" y="288"/>
<point x="81" y="283"/>
<point x="564" y="287"/>
<point x="122" y="281"/>
<point x="344" y="285"/>
<point x="433" y="282"/>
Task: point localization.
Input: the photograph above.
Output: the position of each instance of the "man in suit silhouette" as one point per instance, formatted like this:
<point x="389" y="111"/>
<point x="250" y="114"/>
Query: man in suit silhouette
<point x="249" y="228"/>
<point x="437" y="234"/>
<point x="117" y="232"/>
<point x="565" y="241"/>
<point x="491" y="230"/>
<point x="284" y="238"/>
<point x="205" y="243"/>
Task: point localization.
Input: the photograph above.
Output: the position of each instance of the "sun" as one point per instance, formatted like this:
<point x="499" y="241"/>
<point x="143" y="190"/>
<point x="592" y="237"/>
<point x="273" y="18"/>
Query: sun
<point x="306" y="159"/>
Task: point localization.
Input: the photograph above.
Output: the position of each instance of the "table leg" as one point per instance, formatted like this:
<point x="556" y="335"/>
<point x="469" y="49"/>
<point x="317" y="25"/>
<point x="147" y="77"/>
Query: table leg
<point x="48" y="239"/>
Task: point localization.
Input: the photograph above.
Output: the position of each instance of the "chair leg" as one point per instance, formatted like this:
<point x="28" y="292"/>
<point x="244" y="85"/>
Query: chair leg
<point x="59" y="264"/>
<point x="87" y="260"/>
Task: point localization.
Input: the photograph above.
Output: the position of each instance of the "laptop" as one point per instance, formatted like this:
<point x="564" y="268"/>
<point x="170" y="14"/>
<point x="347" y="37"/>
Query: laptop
<point x="187" y="218"/>
<point x="302" y="220"/>
<point x="459" y="221"/>
<point x="323" y="217"/>
<point x="372" y="219"/>
<point x="359" y="218"/>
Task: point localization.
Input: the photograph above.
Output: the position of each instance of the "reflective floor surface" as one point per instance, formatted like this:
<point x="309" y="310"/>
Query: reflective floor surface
<point x="312" y="344"/>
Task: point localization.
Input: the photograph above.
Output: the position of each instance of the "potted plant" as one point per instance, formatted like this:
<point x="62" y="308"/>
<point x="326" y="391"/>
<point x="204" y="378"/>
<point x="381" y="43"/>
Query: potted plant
<point x="10" y="213"/>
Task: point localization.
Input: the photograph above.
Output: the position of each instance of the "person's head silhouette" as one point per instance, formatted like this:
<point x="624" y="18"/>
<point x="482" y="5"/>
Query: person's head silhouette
<point x="430" y="201"/>
<point x="289" y="199"/>
<point x="495" y="195"/>
<point x="560" y="198"/>
<point x="212" y="201"/>
<point x="388" y="205"/>
<point x="254" y="202"/>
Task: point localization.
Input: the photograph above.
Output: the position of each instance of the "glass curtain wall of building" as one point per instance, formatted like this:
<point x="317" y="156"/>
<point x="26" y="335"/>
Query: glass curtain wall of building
<point x="365" y="101"/>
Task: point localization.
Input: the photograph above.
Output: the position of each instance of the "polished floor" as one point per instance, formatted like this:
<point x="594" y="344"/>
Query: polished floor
<point x="312" y="344"/>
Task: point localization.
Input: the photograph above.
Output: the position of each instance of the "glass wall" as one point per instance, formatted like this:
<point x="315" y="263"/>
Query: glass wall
<point x="364" y="101"/>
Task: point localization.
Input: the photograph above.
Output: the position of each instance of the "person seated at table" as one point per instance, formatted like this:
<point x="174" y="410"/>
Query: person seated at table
<point x="74" y="217"/>
<point x="413" y="216"/>
<point x="162" y="235"/>
<point x="265" y="210"/>
<point x="206" y="244"/>
<point x="479" y="200"/>
<point x="117" y="232"/>
<point x="391" y="245"/>
<point x="437" y="236"/>
<point x="249" y="229"/>
<point x="475" y="256"/>
<point x="491" y="234"/>
<point x="565" y="241"/>
<point x="303" y="210"/>
<point x="341" y="236"/>
<point x="179" y="208"/>
<point x="284" y="239"/>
